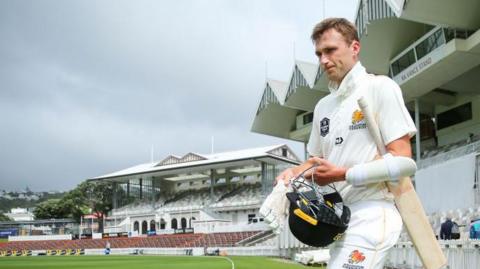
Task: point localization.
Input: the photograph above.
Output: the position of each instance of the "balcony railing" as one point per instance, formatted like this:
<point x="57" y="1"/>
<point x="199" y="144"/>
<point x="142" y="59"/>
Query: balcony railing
<point x="267" y="98"/>
<point x="434" y="39"/>
<point x="369" y="10"/>
<point x="297" y="81"/>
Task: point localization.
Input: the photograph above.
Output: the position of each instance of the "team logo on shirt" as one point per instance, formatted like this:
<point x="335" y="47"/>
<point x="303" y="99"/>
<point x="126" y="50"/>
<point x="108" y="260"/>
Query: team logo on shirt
<point x="324" y="126"/>
<point x="358" y="120"/>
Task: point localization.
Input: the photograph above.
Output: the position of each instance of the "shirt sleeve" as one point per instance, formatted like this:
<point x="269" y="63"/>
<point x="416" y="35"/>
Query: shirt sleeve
<point x="314" y="147"/>
<point x="393" y="118"/>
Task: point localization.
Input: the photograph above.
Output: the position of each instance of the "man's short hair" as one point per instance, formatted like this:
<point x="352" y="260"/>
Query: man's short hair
<point x="341" y="25"/>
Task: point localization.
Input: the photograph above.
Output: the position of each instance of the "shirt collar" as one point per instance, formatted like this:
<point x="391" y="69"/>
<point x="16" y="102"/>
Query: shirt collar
<point x="349" y="82"/>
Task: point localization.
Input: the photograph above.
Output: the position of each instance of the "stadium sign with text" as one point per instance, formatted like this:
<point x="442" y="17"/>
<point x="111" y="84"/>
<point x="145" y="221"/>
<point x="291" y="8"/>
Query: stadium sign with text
<point x="416" y="68"/>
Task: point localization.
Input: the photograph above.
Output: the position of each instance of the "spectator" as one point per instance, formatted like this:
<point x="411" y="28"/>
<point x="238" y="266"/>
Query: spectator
<point x="475" y="229"/>
<point x="107" y="248"/>
<point x="455" y="230"/>
<point x="446" y="230"/>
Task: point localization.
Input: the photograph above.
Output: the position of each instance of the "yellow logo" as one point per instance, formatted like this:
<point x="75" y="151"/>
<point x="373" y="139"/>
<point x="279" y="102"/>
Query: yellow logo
<point x="357" y="116"/>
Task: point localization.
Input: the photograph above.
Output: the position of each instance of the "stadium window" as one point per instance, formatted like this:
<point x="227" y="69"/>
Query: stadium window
<point x="403" y="62"/>
<point x="144" y="227"/>
<point x="152" y="225"/>
<point x="307" y="118"/>
<point x="162" y="224"/>
<point x="430" y="43"/>
<point x="284" y="152"/>
<point x="250" y="218"/>
<point x="135" y="226"/>
<point x="174" y="224"/>
<point x="454" y="116"/>
<point x="183" y="222"/>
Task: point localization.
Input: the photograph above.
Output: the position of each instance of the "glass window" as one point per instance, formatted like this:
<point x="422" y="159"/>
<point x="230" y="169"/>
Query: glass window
<point x="432" y="42"/>
<point x="307" y="118"/>
<point x="403" y="62"/>
<point x="454" y="116"/>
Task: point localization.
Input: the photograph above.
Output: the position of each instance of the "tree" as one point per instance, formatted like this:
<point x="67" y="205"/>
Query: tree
<point x="51" y="209"/>
<point x="96" y="196"/>
<point x="4" y="217"/>
<point x="99" y="196"/>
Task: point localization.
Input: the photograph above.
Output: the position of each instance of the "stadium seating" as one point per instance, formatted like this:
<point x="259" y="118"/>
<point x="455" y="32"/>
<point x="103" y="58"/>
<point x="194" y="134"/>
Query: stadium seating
<point x="248" y="194"/>
<point x="450" y="151"/>
<point x="159" y="241"/>
<point x="462" y="216"/>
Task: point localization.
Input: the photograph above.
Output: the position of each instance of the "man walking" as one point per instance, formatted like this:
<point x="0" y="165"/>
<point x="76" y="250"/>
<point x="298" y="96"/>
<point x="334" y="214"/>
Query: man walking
<point x="339" y="140"/>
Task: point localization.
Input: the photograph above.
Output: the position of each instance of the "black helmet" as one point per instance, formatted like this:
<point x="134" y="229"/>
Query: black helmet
<point x="316" y="218"/>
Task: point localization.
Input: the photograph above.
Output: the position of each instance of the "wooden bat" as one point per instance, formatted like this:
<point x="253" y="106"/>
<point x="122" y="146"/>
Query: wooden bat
<point x="409" y="205"/>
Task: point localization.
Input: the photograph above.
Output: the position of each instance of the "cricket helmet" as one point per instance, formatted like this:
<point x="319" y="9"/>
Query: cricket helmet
<point x="317" y="216"/>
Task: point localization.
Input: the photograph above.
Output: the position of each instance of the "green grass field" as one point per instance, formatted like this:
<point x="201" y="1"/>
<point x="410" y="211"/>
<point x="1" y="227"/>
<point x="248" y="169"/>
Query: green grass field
<point x="144" y="262"/>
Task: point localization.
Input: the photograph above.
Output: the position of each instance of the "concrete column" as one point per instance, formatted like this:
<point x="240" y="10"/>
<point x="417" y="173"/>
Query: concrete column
<point x="305" y="151"/>
<point x="417" y="125"/>
<point x="114" y="198"/>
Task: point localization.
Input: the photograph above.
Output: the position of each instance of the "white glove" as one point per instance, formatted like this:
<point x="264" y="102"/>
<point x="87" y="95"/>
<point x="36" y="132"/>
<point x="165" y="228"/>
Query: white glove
<point x="275" y="207"/>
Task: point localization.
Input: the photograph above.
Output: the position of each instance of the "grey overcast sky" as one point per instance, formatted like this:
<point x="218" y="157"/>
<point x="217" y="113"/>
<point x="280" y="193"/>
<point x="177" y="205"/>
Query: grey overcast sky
<point x="87" y="87"/>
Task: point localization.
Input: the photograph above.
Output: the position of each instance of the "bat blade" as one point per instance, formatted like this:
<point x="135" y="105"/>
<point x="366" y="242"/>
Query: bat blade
<point x="409" y="205"/>
<point x="417" y="224"/>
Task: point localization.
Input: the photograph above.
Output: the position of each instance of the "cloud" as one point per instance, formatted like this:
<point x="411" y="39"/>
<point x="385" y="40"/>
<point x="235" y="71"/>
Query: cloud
<point x="87" y="87"/>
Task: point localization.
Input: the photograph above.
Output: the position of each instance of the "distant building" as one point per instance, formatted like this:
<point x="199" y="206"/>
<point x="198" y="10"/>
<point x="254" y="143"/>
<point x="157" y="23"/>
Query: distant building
<point x="202" y="192"/>
<point x="20" y="214"/>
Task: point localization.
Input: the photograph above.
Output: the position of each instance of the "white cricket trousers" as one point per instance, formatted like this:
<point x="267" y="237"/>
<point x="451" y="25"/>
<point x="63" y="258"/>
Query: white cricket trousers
<point x="374" y="228"/>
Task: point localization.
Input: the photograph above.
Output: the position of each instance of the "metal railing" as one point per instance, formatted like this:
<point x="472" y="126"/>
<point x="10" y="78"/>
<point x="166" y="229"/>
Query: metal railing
<point x="431" y="41"/>
<point x="268" y="97"/>
<point x="460" y="254"/>
<point x="297" y="81"/>
<point x="370" y="10"/>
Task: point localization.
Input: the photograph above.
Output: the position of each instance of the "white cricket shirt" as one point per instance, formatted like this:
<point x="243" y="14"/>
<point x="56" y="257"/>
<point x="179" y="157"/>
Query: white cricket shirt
<point x="339" y="132"/>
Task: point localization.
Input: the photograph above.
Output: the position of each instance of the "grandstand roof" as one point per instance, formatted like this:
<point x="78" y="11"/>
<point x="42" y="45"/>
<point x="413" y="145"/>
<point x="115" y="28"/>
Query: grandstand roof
<point x="430" y="52"/>
<point x="238" y="159"/>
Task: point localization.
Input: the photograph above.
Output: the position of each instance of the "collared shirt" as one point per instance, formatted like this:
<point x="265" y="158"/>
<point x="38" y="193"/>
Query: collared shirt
<point x="339" y="132"/>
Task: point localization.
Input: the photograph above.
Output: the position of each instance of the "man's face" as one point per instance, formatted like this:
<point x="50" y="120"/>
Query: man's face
<point x="336" y="56"/>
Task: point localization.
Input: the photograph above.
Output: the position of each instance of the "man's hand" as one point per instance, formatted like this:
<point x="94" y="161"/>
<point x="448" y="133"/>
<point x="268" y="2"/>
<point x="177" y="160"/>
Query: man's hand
<point x="325" y="172"/>
<point x="285" y="176"/>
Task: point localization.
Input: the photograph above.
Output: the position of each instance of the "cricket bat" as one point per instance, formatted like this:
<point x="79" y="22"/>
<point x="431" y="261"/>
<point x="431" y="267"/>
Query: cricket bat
<point x="408" y="204"/>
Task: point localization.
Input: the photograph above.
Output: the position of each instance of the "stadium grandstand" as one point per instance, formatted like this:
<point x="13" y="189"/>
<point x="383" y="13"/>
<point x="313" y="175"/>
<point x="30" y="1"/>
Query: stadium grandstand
<point x="432" y="50"/>
<point x="219" y="192"/>
<point x="198" y="202"/>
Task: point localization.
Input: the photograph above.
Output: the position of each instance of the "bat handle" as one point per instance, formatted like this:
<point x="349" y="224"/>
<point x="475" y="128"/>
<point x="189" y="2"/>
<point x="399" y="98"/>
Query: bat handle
<point x="372" y="125"/>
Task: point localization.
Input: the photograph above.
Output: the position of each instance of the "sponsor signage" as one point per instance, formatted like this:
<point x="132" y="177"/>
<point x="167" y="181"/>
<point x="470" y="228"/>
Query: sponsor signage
<point x="8" y="232"/>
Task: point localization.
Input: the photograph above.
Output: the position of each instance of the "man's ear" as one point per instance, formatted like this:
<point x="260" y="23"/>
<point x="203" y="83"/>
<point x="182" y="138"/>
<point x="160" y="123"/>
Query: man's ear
<point x="355" y="47"/>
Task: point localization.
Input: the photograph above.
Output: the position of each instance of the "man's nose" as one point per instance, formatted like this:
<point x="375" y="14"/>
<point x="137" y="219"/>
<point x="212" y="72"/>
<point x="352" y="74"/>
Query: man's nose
<point x="323" y="59"/>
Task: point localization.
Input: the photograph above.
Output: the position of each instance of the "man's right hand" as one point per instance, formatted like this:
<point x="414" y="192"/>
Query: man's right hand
<point x="285" y="176"/>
